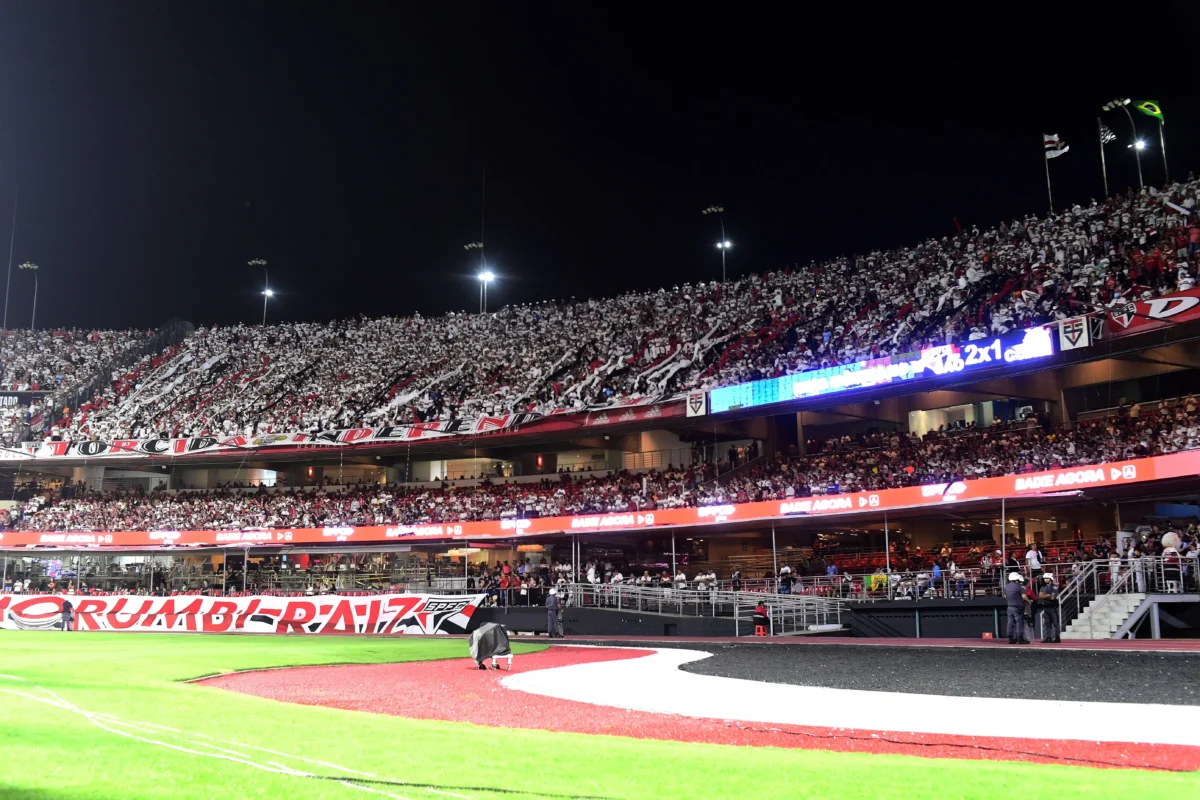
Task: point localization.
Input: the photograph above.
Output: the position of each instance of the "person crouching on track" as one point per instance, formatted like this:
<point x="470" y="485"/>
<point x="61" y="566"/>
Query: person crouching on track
<point x="1048" y="594"/>
<point x="553" y="623"/>
<point x="1014" y="592"/>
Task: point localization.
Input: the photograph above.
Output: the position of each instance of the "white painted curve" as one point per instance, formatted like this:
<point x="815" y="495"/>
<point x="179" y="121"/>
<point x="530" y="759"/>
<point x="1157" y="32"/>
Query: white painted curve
<point x="654" y="683"/>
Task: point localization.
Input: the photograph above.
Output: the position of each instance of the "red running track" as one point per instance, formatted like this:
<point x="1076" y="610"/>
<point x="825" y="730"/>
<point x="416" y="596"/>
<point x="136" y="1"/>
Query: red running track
<point x="1124" y="645"/>
<point x="456" y="691"/>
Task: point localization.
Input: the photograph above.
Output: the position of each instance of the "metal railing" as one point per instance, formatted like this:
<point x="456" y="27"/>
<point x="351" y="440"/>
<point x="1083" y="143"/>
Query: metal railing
<point x="789" y="614"/>
<point x="679" y="457"/>
<point x="1103" y="581"/>
<point x="1122" y="583"/>
<point x="1080" y="589"/>
<point x="733" y="470"/>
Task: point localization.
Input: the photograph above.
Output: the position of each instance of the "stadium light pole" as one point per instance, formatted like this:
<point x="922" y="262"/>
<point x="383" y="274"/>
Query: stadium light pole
<point x="483" y="270"/>
<point x="1138" y="144"/>
<point x="485" y="277"/>
<point x="724" y="244"/>
<point x="34" y="269"/>
<point x="266" y="292"/>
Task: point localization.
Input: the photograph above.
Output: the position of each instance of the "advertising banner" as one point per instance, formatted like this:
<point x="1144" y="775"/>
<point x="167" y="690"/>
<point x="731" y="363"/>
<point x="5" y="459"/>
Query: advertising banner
<point x="1147" y="315"/>
<point x="1118" y="473"/>
<point x="624" y="414"/>
<point x="391" y="614"/>
<point x="204" y="445"/>
<point x="635" y="410"/>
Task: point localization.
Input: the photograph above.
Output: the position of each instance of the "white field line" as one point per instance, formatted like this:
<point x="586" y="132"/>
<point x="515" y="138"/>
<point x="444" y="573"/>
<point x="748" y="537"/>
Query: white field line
<point x="114" y="725"/>
<point x="656" y="684"/>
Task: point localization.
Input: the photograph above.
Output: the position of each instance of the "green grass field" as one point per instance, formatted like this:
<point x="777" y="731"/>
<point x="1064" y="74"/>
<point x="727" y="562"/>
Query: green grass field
<point x="51" y="752"/>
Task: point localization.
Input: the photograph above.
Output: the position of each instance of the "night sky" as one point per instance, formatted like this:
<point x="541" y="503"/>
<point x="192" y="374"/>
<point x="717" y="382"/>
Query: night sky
<point x="159" y="146"/>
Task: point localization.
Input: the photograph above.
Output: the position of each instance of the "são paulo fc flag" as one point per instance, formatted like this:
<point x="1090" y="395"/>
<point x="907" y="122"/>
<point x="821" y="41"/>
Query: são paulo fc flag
<point x="1073" y="333"/>
<point x="1053" y="145"/>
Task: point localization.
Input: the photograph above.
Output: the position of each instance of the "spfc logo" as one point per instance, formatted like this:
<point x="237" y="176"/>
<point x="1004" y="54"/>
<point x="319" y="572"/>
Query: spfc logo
<point x="1124" y="315"/>
<point x="697" y="404"/>
<point x="1073" y="333"/>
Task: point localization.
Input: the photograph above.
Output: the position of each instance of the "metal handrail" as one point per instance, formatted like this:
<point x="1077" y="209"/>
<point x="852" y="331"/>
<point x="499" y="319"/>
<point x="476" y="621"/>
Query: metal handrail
<point x="1071" y="598"/>
<point x="789" y="613"/>
<point x="1143" y="575"/>
<point x="1119" y="586"/>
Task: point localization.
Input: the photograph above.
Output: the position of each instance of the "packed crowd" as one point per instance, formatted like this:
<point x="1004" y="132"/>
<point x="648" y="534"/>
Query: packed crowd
<point x="48" y="361"/>
<point x="866" y="463"/>
<point x="575" y="354"/>
<point x="892" y="460"/>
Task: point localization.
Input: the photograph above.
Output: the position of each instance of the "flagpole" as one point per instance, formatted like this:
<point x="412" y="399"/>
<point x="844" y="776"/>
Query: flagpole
<point x="1162" y="144"/>
<point x="1103" y="165"/>
<point x="1137" y="154"/>
<point x="1049" y="192"/>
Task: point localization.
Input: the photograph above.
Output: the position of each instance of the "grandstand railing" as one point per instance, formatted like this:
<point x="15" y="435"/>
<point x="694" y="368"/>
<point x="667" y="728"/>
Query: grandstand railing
<point x="746" y="466"/>
<point x="789" y="614"/>
<point x="1103" y="580"/>
<point x="1148" y="408"/>
<point x="680" y="457"/>
<point x="1078" y="592"/>
<point x="172" y="332"/>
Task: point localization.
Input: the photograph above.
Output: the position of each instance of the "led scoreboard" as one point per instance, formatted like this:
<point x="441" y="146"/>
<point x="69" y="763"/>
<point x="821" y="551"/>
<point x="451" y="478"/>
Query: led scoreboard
<point x="1034" y="343"/>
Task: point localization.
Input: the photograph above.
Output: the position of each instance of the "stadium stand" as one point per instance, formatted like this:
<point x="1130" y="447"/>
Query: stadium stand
<point x="571" y="355"/>
<point x="869" y="462"/>
<point x="50" y="361"/>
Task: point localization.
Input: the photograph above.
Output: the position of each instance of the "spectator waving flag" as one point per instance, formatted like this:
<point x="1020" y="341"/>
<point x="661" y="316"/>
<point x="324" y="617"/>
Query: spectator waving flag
<point x="1106" y="134"/>
<point x="1054" y="146"/>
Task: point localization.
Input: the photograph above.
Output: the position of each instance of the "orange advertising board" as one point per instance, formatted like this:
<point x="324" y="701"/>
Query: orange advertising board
<point x="1118" y="473"/>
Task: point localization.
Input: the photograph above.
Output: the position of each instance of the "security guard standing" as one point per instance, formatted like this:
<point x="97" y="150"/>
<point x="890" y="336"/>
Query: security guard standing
<point x="1014" y="592"/>
<point x="553" y="622"/>
<point x="1048" y="595"/>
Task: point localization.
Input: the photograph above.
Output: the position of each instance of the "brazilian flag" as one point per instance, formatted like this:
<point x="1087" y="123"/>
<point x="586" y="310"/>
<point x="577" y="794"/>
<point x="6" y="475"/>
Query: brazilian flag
<point x="1150" y="109"/>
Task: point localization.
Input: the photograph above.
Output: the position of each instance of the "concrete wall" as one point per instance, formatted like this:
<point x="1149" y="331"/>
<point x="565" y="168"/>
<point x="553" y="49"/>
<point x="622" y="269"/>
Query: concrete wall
<point x="209" y="478"/>
<point x="659" y="440"/>
<point x="930" y="619"/>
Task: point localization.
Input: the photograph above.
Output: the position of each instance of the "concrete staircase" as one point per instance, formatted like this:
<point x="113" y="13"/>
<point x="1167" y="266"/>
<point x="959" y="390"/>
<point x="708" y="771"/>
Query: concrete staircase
<point x="1103" y="616"/>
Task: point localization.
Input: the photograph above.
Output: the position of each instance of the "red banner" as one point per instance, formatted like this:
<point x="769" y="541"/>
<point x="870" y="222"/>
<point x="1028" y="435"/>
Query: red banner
<point x="619" y="415"/>
<point x="1147" y="315"/>
<point x="209" y="445"/>
<point x="499" y="427"/>
<point x="1118" y="473"/>
<point x="392" y="614"/>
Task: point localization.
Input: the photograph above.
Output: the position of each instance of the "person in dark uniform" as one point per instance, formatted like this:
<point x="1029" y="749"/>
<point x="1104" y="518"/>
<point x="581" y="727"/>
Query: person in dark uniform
<point x="553" y="621"/>
<point x="68" y="611"/>
<point x="1048" y="595"/>
<point x="1014" y="593"/>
